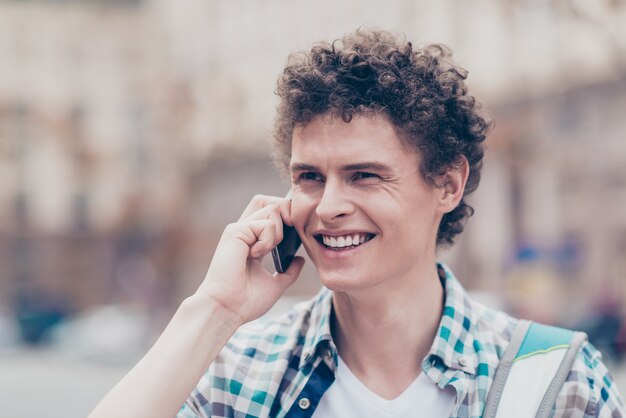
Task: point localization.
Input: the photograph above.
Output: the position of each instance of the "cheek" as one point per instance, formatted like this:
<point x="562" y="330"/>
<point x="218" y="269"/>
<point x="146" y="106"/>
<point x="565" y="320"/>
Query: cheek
<point x="415" y="216"/>
<point x="421" y="221"/>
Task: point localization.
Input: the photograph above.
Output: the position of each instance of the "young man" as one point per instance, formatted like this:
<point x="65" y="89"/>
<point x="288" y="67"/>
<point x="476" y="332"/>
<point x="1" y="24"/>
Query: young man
<point x="382" y="142"/>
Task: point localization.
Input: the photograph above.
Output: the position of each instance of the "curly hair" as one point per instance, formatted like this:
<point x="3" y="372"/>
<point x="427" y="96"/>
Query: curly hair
<point x="421" y="91"/>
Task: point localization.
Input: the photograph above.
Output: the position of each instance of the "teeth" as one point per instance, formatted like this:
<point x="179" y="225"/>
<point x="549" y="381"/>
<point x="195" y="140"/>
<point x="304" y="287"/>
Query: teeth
<point x="344" y="241"/>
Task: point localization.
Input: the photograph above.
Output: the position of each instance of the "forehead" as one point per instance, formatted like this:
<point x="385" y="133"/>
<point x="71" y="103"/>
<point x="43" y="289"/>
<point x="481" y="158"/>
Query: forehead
<point x="364" y="137"/>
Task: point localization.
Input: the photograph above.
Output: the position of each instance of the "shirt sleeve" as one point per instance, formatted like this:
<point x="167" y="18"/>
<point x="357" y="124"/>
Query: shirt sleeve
<point x="589" y="390"/>
<point x="197" y="406"/>
<point x="186" y="412"/>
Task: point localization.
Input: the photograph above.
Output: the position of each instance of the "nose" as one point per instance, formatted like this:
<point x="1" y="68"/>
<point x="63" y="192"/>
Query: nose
<point x="334" y="203"/>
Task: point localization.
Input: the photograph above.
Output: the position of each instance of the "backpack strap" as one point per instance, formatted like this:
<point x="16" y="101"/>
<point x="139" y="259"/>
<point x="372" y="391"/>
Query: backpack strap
<point x="502" y="372"/>
<point x="532" y="371"/>
<point x="549" y="399"/>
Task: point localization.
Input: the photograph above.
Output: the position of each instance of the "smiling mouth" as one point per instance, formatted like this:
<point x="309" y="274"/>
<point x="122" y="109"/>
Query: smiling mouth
<point x="343" y="242"/>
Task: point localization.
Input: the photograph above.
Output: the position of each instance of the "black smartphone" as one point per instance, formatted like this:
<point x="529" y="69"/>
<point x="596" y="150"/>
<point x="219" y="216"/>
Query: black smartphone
<point x="285" y="251"/>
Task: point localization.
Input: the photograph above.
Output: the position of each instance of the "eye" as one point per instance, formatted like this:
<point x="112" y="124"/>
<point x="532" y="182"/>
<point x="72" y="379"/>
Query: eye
<point x="310" y="176"/>
<point x="364" y="175"/>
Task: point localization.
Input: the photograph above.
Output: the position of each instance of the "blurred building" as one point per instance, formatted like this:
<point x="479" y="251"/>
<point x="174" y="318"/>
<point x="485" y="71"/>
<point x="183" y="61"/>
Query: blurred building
<point x="554" y="183"/>
<point x="131" y="131"/>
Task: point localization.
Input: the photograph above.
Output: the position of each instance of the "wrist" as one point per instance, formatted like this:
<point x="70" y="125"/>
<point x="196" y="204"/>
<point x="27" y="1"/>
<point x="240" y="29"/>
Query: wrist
<point x="210" y="312"/>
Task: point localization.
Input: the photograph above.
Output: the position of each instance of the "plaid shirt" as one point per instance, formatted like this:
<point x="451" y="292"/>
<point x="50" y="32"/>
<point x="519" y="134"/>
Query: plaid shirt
<point x="282" y="368"/>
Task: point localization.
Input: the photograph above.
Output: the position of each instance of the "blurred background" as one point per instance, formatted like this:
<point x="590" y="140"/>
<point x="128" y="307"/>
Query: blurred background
<point x="132" y="131"/>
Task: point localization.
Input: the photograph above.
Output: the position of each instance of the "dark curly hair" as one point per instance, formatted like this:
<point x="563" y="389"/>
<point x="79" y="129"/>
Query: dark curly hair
<point x="421" y="91"/>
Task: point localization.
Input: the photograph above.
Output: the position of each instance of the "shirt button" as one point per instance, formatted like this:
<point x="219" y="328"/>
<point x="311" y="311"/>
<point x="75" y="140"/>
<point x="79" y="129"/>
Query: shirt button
<point x="463" y="361"/>
<point x="304" y="403"/>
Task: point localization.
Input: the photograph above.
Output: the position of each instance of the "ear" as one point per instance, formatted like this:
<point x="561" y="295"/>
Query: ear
<point x="453" y="185"/>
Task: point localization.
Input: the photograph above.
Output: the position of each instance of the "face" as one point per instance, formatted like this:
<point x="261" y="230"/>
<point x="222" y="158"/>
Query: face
<point x="364" y="213"/>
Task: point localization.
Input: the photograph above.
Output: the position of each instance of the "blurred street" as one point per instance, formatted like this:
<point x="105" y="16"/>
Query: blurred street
<point x="41" y="383"/>
<point x="38" y="383"/>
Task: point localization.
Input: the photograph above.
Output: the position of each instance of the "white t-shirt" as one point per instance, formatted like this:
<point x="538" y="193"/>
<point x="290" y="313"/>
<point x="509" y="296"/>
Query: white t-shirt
<point x="347" y="397"/>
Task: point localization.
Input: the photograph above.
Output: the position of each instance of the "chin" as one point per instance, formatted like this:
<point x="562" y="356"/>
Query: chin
<point x="344" y="282"/>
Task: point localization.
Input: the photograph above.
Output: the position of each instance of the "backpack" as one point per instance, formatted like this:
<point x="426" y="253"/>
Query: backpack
<point x="532" y="371"/>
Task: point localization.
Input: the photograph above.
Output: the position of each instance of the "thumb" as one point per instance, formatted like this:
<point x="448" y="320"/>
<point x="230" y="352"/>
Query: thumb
<point x="287" y="278"/>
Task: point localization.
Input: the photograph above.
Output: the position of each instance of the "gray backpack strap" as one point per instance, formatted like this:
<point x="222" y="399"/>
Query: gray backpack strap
<point x="502" y="372"/>
<point x="545" y="408"/>
<point x="536" y="363"/>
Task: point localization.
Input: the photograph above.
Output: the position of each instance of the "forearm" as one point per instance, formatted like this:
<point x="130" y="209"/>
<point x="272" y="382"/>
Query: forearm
<point x="159" y="384"/>
<point x="235" y="290"/>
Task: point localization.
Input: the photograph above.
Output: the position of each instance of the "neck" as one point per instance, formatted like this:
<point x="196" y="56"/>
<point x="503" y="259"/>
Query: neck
<point x="383" y="334"/>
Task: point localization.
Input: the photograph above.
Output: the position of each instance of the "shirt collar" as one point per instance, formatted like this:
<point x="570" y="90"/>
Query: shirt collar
<point x="318" y="328"/>
<point x="455" y="343"/>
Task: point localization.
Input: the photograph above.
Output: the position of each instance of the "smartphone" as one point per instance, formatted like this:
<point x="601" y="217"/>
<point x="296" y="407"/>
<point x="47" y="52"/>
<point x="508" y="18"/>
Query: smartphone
<point x="284" y="252"/>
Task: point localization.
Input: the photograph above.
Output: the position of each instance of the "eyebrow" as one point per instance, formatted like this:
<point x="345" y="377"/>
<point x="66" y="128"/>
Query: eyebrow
<point x="302" y="167"/>
<point x="363" y="166"/>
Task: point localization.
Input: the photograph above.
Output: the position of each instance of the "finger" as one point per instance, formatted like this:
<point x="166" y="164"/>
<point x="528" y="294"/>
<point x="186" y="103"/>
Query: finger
<point x="265" y="233"/>
<point x="278" y="225"/>
<point x="285" y="212"/>
<point x="260" y="201"/>
<point x="249" y="234"/>
<point x="271" y="212"/>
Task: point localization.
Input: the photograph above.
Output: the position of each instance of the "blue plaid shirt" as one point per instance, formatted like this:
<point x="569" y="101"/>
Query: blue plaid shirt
<point x="282" y="368"/>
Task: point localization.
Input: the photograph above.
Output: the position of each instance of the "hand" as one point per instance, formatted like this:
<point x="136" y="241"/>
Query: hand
<point x="236" y="278"/>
